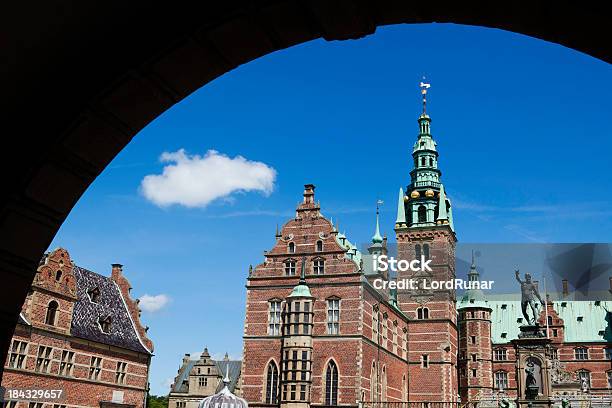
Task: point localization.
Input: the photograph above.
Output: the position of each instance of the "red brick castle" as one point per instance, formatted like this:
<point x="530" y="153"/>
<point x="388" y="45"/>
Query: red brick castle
<point x="317" y="331"/>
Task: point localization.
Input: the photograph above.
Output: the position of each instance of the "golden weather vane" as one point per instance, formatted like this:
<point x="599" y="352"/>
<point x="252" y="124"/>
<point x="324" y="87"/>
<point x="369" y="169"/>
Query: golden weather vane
<point x="424" y="87"/>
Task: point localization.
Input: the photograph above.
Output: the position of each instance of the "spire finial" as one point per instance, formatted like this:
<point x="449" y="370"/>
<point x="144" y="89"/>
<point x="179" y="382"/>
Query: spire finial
<point x="226" y="379"/>
<point x="424" y="87"/>
<point x="473" y="260"/>
<point x="377" y="238"/>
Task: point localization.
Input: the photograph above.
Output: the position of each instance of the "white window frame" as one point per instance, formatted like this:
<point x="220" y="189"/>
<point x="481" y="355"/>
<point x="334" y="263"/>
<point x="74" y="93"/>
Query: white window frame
<point x="333" y="316"/>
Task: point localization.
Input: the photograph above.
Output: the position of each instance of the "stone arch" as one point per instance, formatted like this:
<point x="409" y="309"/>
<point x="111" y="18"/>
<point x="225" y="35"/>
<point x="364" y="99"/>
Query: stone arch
<point x="153" y="57"/>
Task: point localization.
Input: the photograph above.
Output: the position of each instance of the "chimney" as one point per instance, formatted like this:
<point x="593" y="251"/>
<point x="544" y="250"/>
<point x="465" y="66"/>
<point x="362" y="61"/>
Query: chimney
<point x="117" y="270"/>
<point x="565" y="287"/>
<point x="186" y="358"/>
<point x="309" y="193"/>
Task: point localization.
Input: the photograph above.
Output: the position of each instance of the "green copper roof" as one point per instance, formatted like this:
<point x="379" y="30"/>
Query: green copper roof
<point x="401" y="209"/>
<point x="473" y="297"/>
<point x="352" y="251"/>
<point x="377" y="238"/>
<point x="442" y="213"/>
<point x="584" y="321"/>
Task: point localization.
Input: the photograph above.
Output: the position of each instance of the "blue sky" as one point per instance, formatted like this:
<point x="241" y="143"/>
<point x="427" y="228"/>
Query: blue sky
<point x="523" y="130"/>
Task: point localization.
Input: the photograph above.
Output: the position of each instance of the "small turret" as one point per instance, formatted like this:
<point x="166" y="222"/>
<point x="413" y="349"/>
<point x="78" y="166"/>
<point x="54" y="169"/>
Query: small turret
<point x="297" y="344"/>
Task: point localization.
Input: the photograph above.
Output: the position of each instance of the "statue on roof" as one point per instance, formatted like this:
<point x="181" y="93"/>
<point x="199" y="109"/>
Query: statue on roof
<point x="529" y="294"/>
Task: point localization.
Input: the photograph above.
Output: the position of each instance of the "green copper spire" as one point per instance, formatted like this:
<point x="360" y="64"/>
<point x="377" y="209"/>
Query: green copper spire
<point x="377" y="238"/>
<point x="473" y="297"/>
<point x="442" y="213"/>
<point x="401" y="209"/>
<point x="302" y="289"/>
<point x="419" y="205"/>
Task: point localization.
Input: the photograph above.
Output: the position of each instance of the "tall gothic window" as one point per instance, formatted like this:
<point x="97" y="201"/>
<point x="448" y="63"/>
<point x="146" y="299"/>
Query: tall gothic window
<point x="291" y="248"/>
<point x="422" y="212"/>
<point x="331" y="384"/>
<point x="271" y="383"/>
<point x="373" y="382"/>
<point x="333" y="316"/>
<point x="274" y="318"/>
<point x="383" y="384"/>
<point x="501" y="380"/>
<point x="51" y="313"/>
<point x="417" y="251"/>
<point x="58" y="275"/>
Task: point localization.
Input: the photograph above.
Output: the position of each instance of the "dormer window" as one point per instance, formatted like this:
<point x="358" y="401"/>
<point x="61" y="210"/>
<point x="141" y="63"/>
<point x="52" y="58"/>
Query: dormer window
<point x="105" y="324"/>
<point x="94" y="294"/>
<point x="291" y="248"/>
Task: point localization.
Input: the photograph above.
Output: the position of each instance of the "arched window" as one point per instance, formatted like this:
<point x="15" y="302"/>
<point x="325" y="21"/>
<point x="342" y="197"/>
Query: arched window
<point x="271" y="383"/>
<point x="58" y="275"/>
<point x="436" y="212"/>
<point x="291" y="248"/>
<point x="549" y="320"/>
<point x="431" y="161"/>
<point x="422" y="213"/>
<point x="383" y="385"/>
<point x="417" y="251"/>
<point x="422" y="161"/>
<point x="51" y="313"/>
<point x="373" y="382"/>
<point x="319" y="246"/>
<point x="331" y="384"/>
<point x="426" y="251"/>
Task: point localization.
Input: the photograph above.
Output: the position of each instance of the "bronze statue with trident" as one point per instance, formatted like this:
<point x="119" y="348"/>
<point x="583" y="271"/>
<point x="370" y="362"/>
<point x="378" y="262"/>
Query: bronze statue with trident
<point x="529" y="293"/>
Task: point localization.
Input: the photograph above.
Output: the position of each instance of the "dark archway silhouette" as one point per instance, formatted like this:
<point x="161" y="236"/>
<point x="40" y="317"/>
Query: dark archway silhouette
<point x="80" y="79"/>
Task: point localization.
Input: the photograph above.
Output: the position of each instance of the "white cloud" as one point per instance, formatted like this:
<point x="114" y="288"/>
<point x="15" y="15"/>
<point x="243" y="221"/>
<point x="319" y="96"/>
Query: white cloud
<point x="149" y="303"/>
<point x="196" y="181"/>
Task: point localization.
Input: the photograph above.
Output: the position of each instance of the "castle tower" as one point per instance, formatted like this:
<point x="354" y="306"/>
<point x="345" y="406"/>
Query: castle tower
<point x="378" y="247"/>
<point x="204" y="376"/>
<point x="424" y="230"/>
<point x="475" y="365"/>
<point x="296" y="362"/>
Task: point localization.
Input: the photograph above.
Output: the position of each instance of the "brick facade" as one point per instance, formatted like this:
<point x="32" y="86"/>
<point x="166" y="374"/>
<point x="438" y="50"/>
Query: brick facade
<point x="108" y="367"/>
